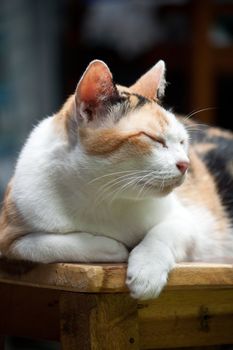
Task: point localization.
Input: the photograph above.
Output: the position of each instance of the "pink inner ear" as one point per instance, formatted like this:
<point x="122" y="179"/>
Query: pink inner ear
<point x="145" y="87"/>
<point x="96" y="84"/>
<point x="149" y="83"/>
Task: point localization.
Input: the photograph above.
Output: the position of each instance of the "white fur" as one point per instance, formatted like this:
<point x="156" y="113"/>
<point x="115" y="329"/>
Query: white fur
<point x="63" y="195"/>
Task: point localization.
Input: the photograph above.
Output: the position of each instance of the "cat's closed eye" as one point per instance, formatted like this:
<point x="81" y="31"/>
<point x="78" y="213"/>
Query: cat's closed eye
<point x="156" y="139"/>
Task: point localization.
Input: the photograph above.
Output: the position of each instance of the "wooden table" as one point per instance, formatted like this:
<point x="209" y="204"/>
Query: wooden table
<point x="88" y="307"/>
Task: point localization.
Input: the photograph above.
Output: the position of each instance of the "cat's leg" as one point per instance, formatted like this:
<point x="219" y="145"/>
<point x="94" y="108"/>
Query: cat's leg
<point x="71" y="247"/>
<point x="152" y="259"/>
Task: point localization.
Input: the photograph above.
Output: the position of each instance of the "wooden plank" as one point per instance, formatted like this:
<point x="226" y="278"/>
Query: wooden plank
<point x="212" y="347"/>
<point x="71" y="277"/>
<point x="114" y="323"/>
<point x="74" y="321"/>
<point x="98" y="322"/>
<point x="201" y="275"/>
<point x="181" y="318"/>
<point x="29" y="312"/>
<point x="110" y="278"/>
<point x="178" y="318"/>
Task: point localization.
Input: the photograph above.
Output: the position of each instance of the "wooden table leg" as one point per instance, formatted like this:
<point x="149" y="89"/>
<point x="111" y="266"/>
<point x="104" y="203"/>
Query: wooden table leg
<point x="98" y="322"/>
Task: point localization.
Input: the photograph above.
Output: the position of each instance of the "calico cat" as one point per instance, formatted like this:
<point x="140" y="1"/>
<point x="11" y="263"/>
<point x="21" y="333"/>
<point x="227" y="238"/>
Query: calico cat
<point x="106" y="179"/>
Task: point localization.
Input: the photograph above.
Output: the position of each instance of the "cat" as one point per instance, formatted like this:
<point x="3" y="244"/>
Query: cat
<point x="113" y="177"/>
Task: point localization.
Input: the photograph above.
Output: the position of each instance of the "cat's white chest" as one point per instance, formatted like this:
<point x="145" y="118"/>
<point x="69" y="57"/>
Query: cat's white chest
<point x="126" y="221"/>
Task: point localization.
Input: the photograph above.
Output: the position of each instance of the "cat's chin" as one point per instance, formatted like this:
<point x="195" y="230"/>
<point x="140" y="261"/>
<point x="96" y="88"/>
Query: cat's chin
<point x="151" y="192"/>
<point x="160" y="190"/>
<point x="169" y="188"/>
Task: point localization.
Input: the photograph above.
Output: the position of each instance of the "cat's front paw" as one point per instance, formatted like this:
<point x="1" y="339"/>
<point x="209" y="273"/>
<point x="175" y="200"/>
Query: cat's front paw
<point x="146" y="275"/>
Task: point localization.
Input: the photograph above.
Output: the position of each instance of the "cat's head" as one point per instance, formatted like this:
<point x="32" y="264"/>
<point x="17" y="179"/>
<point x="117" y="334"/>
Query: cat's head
<point x="131" y="145"/>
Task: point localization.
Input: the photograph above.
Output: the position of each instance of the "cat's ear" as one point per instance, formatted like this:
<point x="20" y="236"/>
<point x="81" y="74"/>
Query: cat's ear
<point x="94" y="90"/>
<point x="152" y="83"/>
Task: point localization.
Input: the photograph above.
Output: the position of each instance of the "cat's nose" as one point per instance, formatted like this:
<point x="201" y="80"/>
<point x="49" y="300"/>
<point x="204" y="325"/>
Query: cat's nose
<point x="182" y="166"/>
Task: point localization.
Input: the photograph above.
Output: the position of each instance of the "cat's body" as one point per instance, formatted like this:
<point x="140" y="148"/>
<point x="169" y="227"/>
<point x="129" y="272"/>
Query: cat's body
<point x="99" y="179"/>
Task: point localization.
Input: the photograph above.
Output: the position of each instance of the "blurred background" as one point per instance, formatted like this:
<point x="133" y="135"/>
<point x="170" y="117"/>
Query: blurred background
<point x="45" y="45"/>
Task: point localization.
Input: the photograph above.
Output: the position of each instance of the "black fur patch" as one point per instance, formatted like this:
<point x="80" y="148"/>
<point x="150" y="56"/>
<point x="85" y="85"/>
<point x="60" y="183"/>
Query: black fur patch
<point x="126" y="103"/>
<point x="141" y="100"/>
<point x="218" y="159"/>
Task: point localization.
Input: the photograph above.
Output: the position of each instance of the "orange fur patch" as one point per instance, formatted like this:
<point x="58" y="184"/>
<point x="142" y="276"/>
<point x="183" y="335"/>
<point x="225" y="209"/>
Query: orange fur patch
<point x="150" y="120"/>
<point x="215" y="132"/>
<point x="12" y="225"/>
<point x="200" y="188"/>
<point x="105" y="141"/>
<point x="204" y="147"/>
<point x="63" y="119"/>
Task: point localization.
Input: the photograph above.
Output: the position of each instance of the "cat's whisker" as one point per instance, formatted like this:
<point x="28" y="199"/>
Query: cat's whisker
<point x="120" y="172"/>
<point x="114" y="182"/>
<point x="190" y="129"/>
<point x="133" y="182"/>
<point x="112" y="174"/>
<point x="111" y="184"/>
<point x="140" y="179"/>
<point x="146" y="188"/>
<point x="162" y="184"/>
<point x="109" y="194"/>
<point x="100" y="195"/>
<point x="122" y="189"/>
<point x="191" y="114"/>
<point x="200" y="127"/>
<point x="142" y="189"/>
<point x="151" y="176"/>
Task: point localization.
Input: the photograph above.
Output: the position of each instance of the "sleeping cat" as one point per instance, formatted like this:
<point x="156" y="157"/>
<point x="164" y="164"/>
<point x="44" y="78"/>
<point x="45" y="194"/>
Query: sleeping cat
<point x="106" y="180"/>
